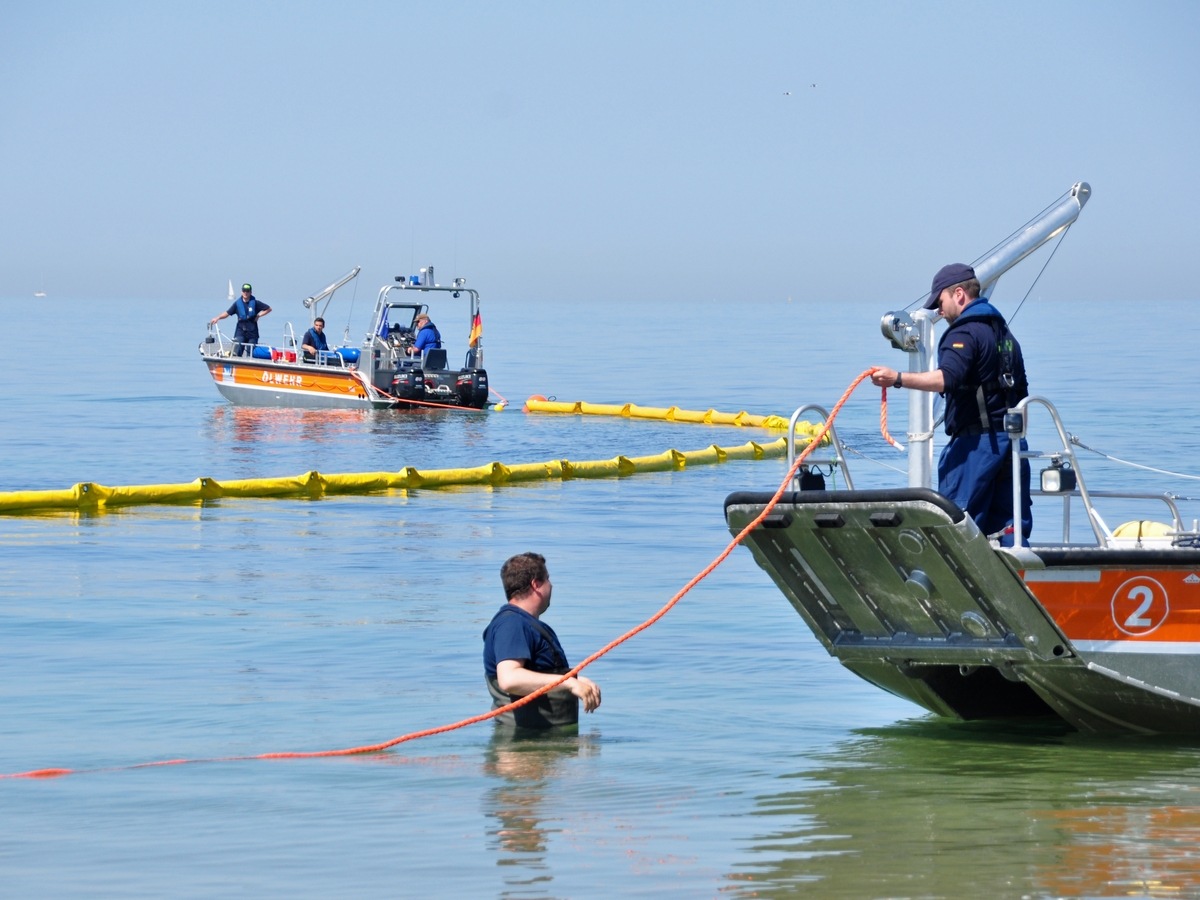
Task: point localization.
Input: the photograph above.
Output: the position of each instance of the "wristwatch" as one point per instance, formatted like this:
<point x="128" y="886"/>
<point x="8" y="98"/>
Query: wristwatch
<point x="899" y="382"/>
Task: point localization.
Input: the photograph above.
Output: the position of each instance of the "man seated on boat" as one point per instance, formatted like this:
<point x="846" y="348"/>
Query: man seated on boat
<point x="314" y="340"/>
<point x="248" y="309"/>
<point x="981" y="373"/>
<point x="428" y="337"/>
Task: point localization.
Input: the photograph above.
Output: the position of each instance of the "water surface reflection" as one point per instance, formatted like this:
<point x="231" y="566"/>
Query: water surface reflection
<point x="527" y="771"/>
<point x="936" y="810"/>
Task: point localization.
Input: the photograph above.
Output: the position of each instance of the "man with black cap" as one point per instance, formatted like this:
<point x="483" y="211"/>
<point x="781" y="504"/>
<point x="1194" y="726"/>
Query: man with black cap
<point x="248" y="309"/>
<point x="981" y="373"/>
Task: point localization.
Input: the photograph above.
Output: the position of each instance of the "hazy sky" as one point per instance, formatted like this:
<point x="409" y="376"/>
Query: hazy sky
<point x="682" y="151"/>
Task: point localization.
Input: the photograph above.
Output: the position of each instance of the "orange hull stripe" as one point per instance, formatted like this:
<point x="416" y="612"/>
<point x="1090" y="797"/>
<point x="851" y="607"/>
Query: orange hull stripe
<point x="289" y="379"/>
<point x="1154" y="606"/>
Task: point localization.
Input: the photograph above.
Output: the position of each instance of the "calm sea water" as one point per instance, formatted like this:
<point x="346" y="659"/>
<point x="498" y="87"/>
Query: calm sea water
<point x="731" y="755"/>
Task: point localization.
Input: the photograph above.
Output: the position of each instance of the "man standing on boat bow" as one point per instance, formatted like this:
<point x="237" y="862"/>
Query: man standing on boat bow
<point x="981" y="373"/>
<point x="248" y="309"/>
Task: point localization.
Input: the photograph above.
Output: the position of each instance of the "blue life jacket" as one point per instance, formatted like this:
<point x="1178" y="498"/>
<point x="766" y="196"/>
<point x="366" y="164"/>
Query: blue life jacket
<point x="247" y="311"/>
<point x="437" y="336"/>
<point x="998" y="382"/>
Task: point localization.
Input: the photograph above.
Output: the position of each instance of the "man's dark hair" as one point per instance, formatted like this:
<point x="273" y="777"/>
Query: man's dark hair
<point x="970" y="286"/>
<point x="518" y="573"/>
<point x="318" y="319"/>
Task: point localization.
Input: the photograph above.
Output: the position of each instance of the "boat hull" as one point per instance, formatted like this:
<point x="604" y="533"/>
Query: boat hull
<point x="252" y="382"/>
<point x="246" y="381"/>
<point x="905" y="591"/>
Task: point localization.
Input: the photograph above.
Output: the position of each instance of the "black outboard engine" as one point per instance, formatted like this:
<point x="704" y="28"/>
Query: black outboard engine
<point x="472" y="388"/>
<point x="409" y="383"/>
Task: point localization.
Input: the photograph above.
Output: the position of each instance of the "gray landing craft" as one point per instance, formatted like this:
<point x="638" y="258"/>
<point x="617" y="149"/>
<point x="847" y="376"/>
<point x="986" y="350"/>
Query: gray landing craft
<point x="382" y="373"/>
<point x="1100" y="627"/>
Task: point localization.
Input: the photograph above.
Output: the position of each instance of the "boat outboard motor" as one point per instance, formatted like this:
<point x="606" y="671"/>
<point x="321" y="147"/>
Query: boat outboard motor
<point x="409" y="383"/>
<point x="472" y="388"/>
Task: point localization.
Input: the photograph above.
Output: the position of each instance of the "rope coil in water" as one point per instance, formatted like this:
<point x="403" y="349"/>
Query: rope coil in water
<point x="820" y="436"/>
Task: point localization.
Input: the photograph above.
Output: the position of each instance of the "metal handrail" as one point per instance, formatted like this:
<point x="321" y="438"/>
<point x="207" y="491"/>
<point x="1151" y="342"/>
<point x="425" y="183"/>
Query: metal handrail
<point x="1104" y="537"/>
<point x="1020" y="415"/>
<point x="838" y="459"/>
<point x="1166" y="499"/>
<point x="221" y="341"/>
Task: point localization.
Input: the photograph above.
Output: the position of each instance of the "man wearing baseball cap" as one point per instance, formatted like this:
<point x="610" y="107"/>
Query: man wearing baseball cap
<point x="981" y="373"/>
<point x="248" y="309"/>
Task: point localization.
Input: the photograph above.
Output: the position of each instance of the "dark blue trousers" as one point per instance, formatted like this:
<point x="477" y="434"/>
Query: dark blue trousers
<point x="975" y="471"/>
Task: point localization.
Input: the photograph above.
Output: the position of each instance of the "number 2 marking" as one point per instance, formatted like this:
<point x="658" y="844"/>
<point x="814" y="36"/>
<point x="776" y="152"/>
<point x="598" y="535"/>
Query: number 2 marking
<point x="1140" y="605"/>
<point x="1138" y="619"/>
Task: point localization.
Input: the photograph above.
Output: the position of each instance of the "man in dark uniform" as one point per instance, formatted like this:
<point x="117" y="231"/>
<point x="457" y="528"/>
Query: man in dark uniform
<point x="981" y="372"/>
<point x="521" y="653"/>
<point x="248" y="309"/>
<point x="314" y="340"/>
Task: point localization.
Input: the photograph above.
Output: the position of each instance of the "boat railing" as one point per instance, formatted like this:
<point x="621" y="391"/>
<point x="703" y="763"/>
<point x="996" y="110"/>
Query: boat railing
<point x="323" y="357"/>
<point x="215" y="343"/>
<point x="1068" y="484"/>
<point x="833" y="457"/>
<point x="1067" y="481"/>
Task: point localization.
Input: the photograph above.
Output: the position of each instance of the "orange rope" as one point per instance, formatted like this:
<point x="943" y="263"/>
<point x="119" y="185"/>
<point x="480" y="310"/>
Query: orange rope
<point x="429" y="403"/>
<point x="883" y="422"/>
<point x="362" y="380"/>
<point x="433" y="405"/>
<point x="528" y="698"/>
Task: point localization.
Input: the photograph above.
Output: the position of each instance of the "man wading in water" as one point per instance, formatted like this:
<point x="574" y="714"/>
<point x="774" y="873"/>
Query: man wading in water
<point x="521" y="653"/>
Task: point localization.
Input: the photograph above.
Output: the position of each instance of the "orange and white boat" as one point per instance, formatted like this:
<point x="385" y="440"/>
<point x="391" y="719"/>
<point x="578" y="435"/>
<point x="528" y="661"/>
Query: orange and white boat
<point x="1099" y="627"/>
<point x="383" y="373"/>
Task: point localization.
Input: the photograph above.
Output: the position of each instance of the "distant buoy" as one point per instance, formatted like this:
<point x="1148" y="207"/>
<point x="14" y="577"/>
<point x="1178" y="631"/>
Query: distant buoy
<point x="538" y="397"/>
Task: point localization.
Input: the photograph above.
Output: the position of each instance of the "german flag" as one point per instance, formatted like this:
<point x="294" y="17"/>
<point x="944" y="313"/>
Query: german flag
<point x="476" y="331"/>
